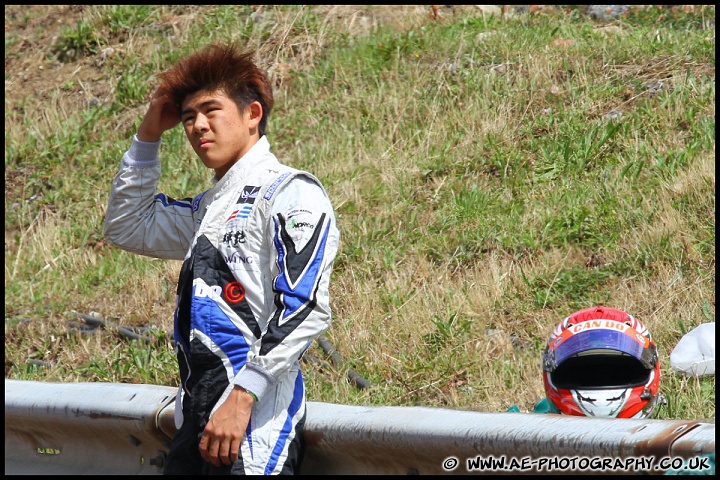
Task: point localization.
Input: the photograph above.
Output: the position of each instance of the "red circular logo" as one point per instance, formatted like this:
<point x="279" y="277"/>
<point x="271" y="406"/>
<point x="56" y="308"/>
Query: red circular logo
<point x="234" y="292"/>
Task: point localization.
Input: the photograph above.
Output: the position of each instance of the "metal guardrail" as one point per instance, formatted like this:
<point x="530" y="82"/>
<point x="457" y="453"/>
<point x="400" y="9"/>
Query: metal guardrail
<point x="86" y="428"/>
<point x="109" y="428"/>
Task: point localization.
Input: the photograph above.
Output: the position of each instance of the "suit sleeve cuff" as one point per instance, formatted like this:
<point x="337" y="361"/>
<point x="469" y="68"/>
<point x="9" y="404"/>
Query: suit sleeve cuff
<point x="255" y="379"/>
<point x="142" y="154"/>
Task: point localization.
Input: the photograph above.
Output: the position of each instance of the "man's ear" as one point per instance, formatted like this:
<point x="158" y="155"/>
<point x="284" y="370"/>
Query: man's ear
<point x="256" y="113"/>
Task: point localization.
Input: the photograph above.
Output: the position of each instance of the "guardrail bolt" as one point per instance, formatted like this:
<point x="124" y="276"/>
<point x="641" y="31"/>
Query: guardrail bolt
<point x="159" y="460"/>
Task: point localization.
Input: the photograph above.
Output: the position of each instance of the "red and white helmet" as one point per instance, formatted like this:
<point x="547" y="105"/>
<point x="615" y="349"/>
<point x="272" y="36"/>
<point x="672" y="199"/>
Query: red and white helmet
<point x="602" y="362"/>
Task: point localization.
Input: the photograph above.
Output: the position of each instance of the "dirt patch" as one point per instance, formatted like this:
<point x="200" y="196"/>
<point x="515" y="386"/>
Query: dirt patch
<point x="33" y="69"/>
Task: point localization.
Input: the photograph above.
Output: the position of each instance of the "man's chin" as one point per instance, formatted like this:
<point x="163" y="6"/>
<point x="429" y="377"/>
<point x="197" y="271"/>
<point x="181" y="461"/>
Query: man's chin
<point x="209" y="162"/>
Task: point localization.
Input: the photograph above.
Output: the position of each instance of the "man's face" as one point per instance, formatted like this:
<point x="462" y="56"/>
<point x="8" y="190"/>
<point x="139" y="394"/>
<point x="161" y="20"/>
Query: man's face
<point x="218" y="131"/>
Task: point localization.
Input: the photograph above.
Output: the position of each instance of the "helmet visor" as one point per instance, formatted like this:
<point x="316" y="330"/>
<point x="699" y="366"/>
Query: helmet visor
<point x="587" y="341"/>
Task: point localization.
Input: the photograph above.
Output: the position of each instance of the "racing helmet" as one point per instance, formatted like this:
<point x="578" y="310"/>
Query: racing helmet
<point x="602" y="362"/>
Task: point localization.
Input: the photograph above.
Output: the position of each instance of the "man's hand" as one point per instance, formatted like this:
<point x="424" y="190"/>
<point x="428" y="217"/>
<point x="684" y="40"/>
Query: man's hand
<point x="162" y="115"/>
<point x="225" y="430"/>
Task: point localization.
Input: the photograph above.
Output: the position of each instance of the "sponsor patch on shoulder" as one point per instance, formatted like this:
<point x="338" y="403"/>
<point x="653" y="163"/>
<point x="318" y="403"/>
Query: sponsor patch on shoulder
<point x="271" y="189"/>
<point x="249" y="194"/>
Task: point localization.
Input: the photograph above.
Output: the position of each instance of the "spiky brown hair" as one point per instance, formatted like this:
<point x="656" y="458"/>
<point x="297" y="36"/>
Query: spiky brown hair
<point x="221" y="67"/>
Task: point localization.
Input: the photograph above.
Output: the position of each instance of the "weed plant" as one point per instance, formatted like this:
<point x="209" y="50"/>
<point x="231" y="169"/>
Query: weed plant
<point x="491" y="175"/>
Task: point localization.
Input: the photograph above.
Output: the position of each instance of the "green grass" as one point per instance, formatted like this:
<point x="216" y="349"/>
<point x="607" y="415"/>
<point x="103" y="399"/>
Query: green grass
<point x="490" y="175"/>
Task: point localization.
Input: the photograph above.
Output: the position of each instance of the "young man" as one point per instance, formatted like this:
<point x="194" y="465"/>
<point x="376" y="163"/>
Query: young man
<point x="258" y="249"/>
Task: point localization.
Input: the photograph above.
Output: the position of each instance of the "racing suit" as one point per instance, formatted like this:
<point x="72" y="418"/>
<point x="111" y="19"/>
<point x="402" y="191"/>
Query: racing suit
<point x="257" y="251"/>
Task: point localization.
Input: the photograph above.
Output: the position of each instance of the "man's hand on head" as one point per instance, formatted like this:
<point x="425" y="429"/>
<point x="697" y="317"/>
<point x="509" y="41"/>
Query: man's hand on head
<point x="162" y="115"/>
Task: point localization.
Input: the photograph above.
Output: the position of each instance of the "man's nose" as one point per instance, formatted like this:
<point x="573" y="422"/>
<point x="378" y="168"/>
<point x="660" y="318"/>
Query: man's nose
<point x="201" y="123"/>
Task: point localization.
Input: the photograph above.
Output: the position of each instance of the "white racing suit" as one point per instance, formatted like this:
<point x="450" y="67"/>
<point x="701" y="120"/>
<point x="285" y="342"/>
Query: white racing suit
<point x="258" y="249"/>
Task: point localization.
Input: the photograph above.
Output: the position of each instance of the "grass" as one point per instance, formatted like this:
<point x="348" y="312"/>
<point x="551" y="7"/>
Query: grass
<point x="490" y="175"/>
